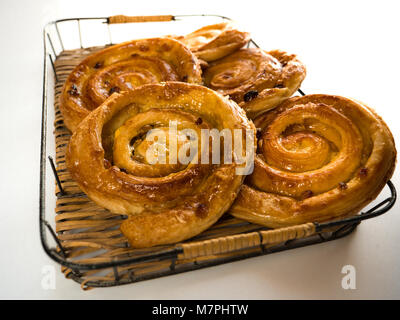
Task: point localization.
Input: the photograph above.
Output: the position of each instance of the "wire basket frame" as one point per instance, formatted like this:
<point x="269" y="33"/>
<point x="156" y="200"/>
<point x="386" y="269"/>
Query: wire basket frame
<point x="314" y="233"/>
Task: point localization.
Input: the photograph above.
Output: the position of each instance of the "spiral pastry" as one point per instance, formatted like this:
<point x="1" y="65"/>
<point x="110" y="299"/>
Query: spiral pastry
<point x="215" y="41"/>
<point x="255" y="79"/>
<point x="123" y="67"/>
<point x="319" y="157"/>
<point x="166" y="202"/>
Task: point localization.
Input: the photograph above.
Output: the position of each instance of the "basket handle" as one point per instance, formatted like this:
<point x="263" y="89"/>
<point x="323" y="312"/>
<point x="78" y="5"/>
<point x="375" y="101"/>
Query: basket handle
<point x="243" y="241"/>
<point x="135" y="19"/>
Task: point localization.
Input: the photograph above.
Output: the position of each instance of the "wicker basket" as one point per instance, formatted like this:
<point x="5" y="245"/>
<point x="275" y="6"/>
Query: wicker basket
<point x="88" y="242"/>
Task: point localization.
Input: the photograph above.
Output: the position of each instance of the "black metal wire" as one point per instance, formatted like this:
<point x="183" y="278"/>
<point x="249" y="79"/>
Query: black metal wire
<point x="64" y="254"/>
<point x="53" y="167"/>
<point x="58" y="34"/>
<point x="389" y="203"/>
<point x="80" y="33"/>
<point x="52" y="46"/>
<point x="54" y="68"/>
<point x="347" y="225"/>
<point x="297" y="243"/>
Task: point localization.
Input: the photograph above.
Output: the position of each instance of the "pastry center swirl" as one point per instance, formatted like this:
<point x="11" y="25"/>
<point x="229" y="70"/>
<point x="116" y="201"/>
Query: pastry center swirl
<point x="242" y="71"/>
<point x="230" y="75"/>
<point x="127" y="75"/>
<point x="157" y="143"/>
<point x="307" y="148"/>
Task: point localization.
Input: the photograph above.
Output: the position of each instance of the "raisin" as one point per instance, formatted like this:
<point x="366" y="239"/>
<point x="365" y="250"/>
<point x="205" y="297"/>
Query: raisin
<point x="342" y="185"/>
<point x="307" y="194"/>
<point x="143" y="48"/>
<point x="250" y="95"/>
<point x="165" y="47"/>
<point x="259" y="133"/>
<point x="73" y="91"/>
<point x="114" y="89"/>
<point x="201" y="210"/>
<point x="107" y="164"/>
<point x="363" y="172"/>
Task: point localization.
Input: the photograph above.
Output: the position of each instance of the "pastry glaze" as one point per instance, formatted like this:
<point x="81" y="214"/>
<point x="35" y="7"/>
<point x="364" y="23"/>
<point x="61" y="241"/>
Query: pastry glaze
<point x="215" y="41"/>
<point x="122" y="67"/>
<point x="319" y="157"/>
<point x="256" y="79"/>
<point x="165" y="203"/>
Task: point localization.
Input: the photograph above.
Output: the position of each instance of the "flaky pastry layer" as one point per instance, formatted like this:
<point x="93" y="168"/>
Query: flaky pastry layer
<point x="257" y="80"/>
<point x="319" y="157"/>
<point x="165" y="203"/>
<point x="215" y="41"/>
<point x="123" y="67"/>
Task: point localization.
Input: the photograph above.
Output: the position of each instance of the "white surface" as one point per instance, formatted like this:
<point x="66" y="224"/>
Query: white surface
<point x="349" y="48"/>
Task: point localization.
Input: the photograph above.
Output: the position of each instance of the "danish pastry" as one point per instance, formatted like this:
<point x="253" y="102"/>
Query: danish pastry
<point x="255" y="79"/>
<point x="108" y="156"/>
<point x="123" y="67"/>
<point x="319" y="157"/>
<point x="215" y="41"/>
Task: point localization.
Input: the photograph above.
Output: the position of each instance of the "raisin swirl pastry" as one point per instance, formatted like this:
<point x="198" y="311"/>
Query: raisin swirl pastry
<point x="319" y="157"/>
<point x="256" y="79"/>
<point x="107" y="157"/>
<point x="122" y="67"/>
<point x="215" y="41"/>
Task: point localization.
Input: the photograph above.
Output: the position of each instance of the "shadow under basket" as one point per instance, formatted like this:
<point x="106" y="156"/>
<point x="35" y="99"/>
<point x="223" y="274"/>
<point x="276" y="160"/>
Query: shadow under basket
<point x="88" y="242"/>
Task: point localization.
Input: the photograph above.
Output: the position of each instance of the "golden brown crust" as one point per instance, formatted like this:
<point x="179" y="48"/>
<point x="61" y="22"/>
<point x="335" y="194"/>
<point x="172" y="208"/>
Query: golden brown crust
<point x="122" y="67"/>
<point x="319" y="158"/>
<point x="215" y="41"/>
<point x="256" y="79"/>
<point x="166" y="204"/>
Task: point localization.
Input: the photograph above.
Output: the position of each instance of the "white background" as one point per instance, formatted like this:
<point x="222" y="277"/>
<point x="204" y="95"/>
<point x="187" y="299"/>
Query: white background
<point x="349" y="48"/>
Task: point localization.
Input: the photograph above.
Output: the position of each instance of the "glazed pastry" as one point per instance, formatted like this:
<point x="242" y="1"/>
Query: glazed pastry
<point x="123" y="67"/>
<point x="215" y="41"/>
<point x="166" y="202"/>
<point x="257" y="80"/>
<point x="319" y="157"/>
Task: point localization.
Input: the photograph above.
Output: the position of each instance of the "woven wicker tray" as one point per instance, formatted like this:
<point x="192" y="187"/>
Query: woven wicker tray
<point x="89" y="244"/>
